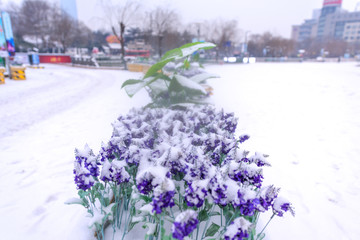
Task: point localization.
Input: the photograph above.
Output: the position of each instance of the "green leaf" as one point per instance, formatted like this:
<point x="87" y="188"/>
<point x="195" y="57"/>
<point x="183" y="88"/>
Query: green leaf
<point x="146" y="198"/>
<point x="131" y="226"/>
<point x="175" y="86"/>
<point x="260" y="237"/>
<point x="172" y="54"/>
<point x="203" y="215"/>
<point x="212" y="230"/>
<point x="186" y="64"/>
<point x="214" y="214"/>
<point x="187" y="83"/>
<point x="75" y="201"/>
<point x="199" y="78"/>
<point x="190" y="48"/>
<point x="156" y="67"/>
<point x="131" y="82"/>
<point x="133" y="87"/>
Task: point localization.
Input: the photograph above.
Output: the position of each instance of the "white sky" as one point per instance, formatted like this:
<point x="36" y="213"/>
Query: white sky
<point x="257" y="16"/>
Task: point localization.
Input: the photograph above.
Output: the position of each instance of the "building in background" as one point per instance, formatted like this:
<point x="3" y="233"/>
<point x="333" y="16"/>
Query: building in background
<point x="352" y="32"/>
<point x="329" y="23"/>
<point x="69" y="6"/>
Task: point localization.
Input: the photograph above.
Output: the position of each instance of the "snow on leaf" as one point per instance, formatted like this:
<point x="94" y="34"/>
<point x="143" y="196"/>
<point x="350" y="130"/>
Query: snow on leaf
<point x="203" y="76"/>
<point x="187" y="83"/>
<point x="190" y="48"/>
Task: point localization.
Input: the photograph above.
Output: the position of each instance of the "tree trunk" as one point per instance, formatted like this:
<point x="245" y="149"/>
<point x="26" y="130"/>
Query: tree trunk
<point x="121" y="40"/>
<point x="160" y="44"/>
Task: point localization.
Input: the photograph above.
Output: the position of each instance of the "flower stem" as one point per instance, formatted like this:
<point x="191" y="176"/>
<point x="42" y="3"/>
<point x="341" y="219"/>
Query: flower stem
<point x="265" y="226"/>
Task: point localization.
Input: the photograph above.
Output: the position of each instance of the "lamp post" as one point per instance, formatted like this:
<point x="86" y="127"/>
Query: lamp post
<point x="246" y="41"/>
<point x="246" y="47"/>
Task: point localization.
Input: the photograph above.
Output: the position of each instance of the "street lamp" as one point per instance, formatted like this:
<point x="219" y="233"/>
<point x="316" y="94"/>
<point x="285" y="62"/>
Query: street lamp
<point x="246" y="41"/>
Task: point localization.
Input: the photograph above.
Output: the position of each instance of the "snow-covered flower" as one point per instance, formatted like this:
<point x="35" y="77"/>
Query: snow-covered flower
<point x="246" y="201"/>
<point x="282" y="205"/>
<point x="238" y="230"/>
<point x="163" y="196"/>
<point x="248" y="174"/>
<point x="196" y="192"/>
<point x="243" y="138"/>
<point x="266" y="197"/>
<point x="144" y="183"/>
<point x="218" y="190"/>
<point x="184" y="224"/>
<point x="86" y="168"/>
<point x="114" y="171"/>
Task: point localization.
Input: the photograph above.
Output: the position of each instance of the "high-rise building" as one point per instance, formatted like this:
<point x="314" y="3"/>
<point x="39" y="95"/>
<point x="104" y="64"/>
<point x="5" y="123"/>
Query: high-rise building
<point x="331" y="24"/>
<point x="69" y="6"/>
<point x="329" y="7"/>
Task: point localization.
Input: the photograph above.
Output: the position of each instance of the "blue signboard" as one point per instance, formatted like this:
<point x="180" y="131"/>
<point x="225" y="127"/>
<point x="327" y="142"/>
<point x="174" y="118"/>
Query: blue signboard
<point x="8" y="32"/>
<point x="35" y="59"/>
<point x="2" y="37"/>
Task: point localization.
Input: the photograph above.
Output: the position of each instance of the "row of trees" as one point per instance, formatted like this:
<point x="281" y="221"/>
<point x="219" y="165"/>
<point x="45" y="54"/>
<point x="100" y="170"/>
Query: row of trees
<point x="44" y="25"/>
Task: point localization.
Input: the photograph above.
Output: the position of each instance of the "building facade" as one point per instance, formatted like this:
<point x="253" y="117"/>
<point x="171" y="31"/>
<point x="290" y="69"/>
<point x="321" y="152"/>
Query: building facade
<point x="330" y="25"/>
<point x="69" y="6"/>
<point x="352" y="32"/>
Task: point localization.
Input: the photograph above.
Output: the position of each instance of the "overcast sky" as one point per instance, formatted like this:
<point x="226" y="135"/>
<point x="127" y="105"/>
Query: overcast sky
<point x="257" y="16"/>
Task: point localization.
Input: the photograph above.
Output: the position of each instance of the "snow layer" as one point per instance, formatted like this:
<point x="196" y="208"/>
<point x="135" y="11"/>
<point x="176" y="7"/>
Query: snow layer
<point x="306" y="116"/>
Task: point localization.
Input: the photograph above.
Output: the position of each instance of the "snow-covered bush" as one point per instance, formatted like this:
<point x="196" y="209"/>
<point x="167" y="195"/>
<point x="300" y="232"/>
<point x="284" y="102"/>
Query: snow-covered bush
<point x="179" y="171"/>
<point x="175" y="79"/>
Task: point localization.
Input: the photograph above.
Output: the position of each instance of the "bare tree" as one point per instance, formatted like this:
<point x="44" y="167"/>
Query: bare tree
<point x="119" y="17"/>
<point x="162" y="21"/>
<point x="268" y="45"/>
<point x="34" y="20"/>
<point x="63" y="28"/>
<point x="222" y="33"/>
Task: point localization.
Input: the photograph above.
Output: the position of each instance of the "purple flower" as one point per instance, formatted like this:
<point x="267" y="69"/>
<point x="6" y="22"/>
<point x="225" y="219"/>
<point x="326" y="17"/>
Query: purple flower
<point x="163" y="196"/>
<point x="86" y="168"/>
<point x="248" y="174"/>
<point x="259" y="159"/>
<point x="267" y="196"/>
<point x="238" y="230"/>
<point x="281" y="205"/>
<point x="184" y="224"/>
<point x="218" y="190"/>
<point x="144" y="183"/>
<point x="246" y="201"/>
<point x="164" y="200"/>
<point x="195" y="194"/>
<point x="243" y="138"/>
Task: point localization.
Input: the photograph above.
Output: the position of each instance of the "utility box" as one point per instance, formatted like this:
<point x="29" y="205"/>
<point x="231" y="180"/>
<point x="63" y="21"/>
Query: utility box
<point x="34" y="59"/>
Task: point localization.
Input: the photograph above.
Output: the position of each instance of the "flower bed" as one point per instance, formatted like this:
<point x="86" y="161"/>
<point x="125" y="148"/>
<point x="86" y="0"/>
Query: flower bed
<point x="179" y="172"/>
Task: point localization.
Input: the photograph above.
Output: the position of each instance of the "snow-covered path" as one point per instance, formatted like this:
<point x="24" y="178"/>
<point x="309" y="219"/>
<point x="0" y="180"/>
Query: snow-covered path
<point x="42" y="120"/>
<point x="306" y="116"/>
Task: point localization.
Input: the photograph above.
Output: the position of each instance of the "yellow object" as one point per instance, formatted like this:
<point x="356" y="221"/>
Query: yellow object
<point x="37" y="67"/>
<point x="2" y="76"/>
<point x="17" y="73"/>
<point x="135" y="67"/>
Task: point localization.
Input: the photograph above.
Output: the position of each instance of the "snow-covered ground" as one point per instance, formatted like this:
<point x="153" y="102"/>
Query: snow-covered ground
<point x="306" y="116"/>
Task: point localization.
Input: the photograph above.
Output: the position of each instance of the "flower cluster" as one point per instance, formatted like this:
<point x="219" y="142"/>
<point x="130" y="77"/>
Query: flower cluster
<point x="85" y="168"/>
<point x="188" y="153"/>
<point x="184" y="224"/>
<point x="238" y="230"/>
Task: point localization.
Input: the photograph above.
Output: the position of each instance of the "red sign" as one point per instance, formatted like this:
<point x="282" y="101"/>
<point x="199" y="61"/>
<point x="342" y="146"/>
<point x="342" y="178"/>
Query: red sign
<point x="332" y="2"/>
<point x="49" y="58"/>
